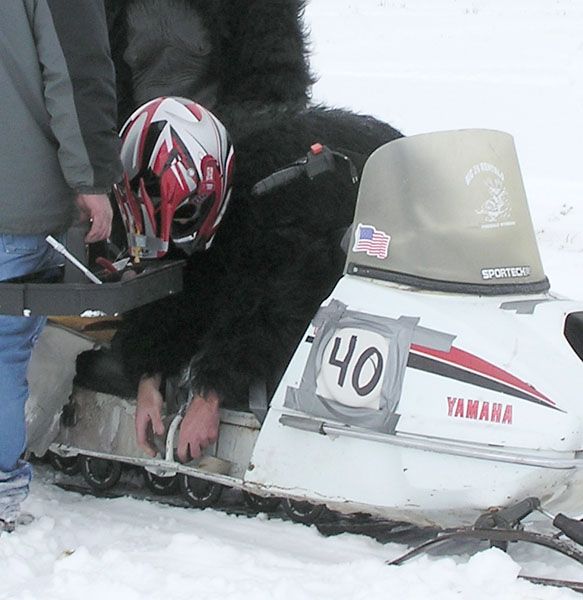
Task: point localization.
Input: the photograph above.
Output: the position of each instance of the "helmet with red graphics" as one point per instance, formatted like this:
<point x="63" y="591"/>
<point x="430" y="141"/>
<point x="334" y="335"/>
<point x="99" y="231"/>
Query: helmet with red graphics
<point x="178" y="165"/>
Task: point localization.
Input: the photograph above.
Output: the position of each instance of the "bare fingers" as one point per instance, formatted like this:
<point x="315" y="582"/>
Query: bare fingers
<point x="199" y="428"/>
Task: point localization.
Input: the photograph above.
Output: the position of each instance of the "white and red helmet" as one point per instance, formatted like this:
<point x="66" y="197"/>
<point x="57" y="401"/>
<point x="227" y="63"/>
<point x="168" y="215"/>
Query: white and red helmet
<point x="178" y="167"/>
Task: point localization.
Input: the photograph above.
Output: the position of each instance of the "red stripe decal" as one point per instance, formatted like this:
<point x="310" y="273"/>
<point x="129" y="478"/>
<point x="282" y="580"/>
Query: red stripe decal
<point x="470" y="362"/>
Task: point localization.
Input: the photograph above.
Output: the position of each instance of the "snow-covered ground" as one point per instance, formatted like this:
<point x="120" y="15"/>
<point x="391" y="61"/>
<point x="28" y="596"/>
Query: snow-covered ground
<point x="423" y="65"/>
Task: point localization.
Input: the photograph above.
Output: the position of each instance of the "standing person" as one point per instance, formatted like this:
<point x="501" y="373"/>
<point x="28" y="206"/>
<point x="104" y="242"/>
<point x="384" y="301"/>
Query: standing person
<point x="58" y="160"/>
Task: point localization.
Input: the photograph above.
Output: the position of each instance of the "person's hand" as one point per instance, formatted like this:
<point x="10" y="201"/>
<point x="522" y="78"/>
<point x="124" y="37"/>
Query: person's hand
<point x="96" y="209"/>
<point x="149" y="412"/>
<point x="199" y="427"/>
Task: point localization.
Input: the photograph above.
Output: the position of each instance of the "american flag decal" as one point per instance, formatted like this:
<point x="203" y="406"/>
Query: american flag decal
<point x="372" y="241"/>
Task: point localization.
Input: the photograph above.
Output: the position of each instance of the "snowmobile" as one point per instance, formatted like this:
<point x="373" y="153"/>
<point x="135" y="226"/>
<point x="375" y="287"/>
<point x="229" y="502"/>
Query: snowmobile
<point x="437" y="385"/>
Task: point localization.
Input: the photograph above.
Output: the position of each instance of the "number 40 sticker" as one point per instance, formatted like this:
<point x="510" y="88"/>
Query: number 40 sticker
<point x="353" y="367"/>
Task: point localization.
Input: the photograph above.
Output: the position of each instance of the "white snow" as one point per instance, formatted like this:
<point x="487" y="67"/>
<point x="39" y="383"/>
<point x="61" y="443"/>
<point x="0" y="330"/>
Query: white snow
<point x="130" y="549"/>
<point x="423" y="65"/>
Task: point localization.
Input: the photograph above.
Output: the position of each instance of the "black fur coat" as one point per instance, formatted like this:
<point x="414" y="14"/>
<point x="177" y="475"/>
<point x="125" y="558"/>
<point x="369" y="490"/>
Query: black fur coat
<point x="249" y="298"/>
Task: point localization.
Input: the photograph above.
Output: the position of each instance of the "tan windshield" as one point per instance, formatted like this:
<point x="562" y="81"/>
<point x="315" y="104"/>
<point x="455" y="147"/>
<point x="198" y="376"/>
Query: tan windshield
<point x="445" y="207"/>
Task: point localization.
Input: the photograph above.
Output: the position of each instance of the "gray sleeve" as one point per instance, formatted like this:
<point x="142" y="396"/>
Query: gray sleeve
<point x="79" y="89"/>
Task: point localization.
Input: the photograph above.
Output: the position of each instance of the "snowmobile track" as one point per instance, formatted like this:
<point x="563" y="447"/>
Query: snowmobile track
<point x="231" y="503"/>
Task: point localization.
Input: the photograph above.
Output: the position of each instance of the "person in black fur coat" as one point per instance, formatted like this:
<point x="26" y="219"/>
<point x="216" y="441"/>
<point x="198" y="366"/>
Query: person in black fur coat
<point x="249" y="298"/>
<point x="231" y="56"/>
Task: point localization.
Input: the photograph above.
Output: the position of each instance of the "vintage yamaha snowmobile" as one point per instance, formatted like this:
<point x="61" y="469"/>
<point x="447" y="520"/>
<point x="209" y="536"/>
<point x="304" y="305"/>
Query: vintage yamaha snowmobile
<point x="437" y="385"/>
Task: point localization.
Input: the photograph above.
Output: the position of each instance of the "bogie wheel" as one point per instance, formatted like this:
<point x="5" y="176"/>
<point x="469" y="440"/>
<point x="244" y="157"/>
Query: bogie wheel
<point x="67" y="464"/>
<point x="200" y="493"/>
<point x="302" y="511"/>
<point x="264" y="504"/>
<point x="163" y="486"/>
<point x="101" y="474"/>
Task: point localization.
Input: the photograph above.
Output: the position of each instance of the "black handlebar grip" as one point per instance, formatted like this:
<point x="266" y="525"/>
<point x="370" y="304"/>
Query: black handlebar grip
<point x="277" y="179"/>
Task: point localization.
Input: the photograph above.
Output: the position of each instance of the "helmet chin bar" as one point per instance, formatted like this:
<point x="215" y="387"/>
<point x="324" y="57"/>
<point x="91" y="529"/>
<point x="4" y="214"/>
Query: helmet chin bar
<point x="139" y="222"/>
<point x="145" y="241"/>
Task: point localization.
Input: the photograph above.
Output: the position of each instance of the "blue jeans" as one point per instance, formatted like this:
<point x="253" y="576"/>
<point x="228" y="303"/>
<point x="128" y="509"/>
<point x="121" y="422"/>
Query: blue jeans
<point x="19" y="255"/>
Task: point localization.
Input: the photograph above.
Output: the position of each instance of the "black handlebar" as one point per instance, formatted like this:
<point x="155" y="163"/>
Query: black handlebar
<point x="277" y="180"/>
<point x="320" y="159"/>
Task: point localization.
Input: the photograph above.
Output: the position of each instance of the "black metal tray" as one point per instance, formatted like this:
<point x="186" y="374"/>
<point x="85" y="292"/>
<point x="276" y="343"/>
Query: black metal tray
<point x="89" y="299"/>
